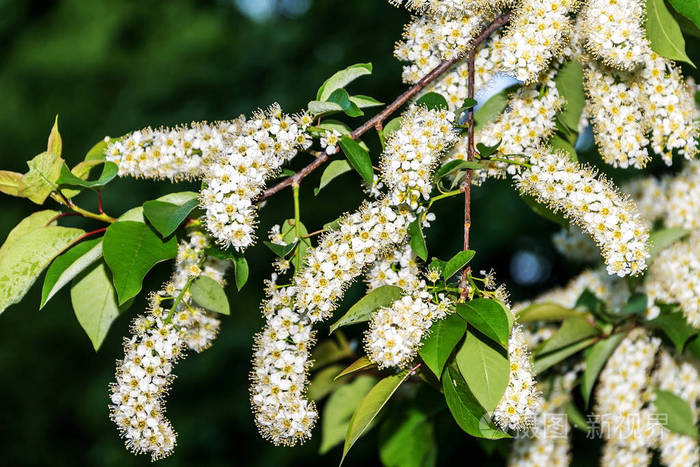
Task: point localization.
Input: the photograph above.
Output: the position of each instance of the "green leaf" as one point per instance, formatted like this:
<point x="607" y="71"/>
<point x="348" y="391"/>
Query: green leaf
<point x="209" y="294"/>
<point x="241" y="271"/>
<point x="453" y="166"/>
<point x="391" y="127"/>
<point x="465" y="409"/>
<point x="166" y="217"/>
<point x="491" y="109"/>
<point x="360" y="364"/>
<point x="55" y="143"/>
<point x="280" y="250"/>
<point x="67" y="178"/>
<point x="26" y="226"/>
<point x="131" y="249"/>
<point x="415" y="230"/>
<point x="663" y="32"/>
<point x="596" y="356"/>
<point x="324" y="382"/>
<point x="545" y="311"/>
<point x="687" y="26"/>
<point x="544" y="211"/>
<point x="546" y="361"/>
<point x="576" y="418"/>
<point x="485" y="369"/>
<point x="289" y="235"/>
<point x="457" y="262"/>
<point x="339" y="409"/>
<point x="486" y="151"/>
<point x="407" y="439"/>
<point x="364" y="101"/>
<point x="467" y="104"/>
<point x="179" y="198"/>
<point x="334" y="169"/>
<point x="40" y="181"/>
<point x="95" y="302"/>
<point x="569" y="82"/>
<point x="68" y="265"/>
<point x="661" y="239"/>
<point x="636" y="305"/>
<point x="675" y="327"/>
<point x="330" y="351"/>
<point x="98" y="151"/>
<point x="27" y="251"/>
<point x="442" y="338"/>
<point x="678" y="412"/>
<point x="557" y="142"/>
<point x="488" y="316"/>
<point x="342" y="78"/>
<point x="572" y="330"/>
<point x="361" y="311"/>
<point x="341" y="98"/>
<point x="433" y="101"/>
<point x="358" y="157"/>
<point x="370" y="406"/>
<point x="9" y="182"/>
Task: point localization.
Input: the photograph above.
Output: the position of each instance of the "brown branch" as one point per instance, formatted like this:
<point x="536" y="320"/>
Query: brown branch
<point x="377" y="120"/>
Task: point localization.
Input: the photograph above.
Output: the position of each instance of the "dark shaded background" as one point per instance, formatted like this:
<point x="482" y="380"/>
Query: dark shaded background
<point x="110" y="66"/>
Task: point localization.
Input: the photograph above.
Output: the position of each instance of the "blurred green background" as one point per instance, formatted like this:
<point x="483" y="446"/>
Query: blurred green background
<point x="110" y="66"/>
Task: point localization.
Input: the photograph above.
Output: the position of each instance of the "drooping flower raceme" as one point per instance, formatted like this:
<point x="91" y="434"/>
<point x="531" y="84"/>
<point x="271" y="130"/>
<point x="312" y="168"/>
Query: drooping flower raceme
<point x="674" y="277"/>
<point x="252" y="156"/>
<point x="399" y="268"/>
<point x="681" y="378"/>
<point x="535" y="36"/>
<point x="592" y="203"/>
<point x="159" y="339"/>
<point x="614" y="32"/>
<point x="180" y="153"/>
<point x="522" y="401"/>
<point x="281" y="359"/>
<point x="623" y="396"/>
<point x="616" y="110"/>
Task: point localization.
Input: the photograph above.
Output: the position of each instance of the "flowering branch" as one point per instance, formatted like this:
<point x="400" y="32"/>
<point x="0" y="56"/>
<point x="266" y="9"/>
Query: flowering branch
<point x="377" y="120"/>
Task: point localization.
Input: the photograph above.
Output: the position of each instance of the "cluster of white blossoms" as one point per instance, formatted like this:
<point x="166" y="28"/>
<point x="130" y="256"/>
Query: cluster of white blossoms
<point x="537" y="33"/>
<point x="594" y="204"/>
<point x="682" y="203"/>
<point x="616" y="110"/>
<point x="281" y="361"/>
<point x="252" y="155"/>
<point x="674" y="277"/>
<point x="623" y="400"/>
<point x="681" y="378"/>
<point x="549" y="444"/>
<point x="614" y="31"/>
<point x="522" y="401"/>
<point x="396" y="267"/>
<point x="180" y="153"/>
<point x="437" y="7"/>
<point x="409" y="155"/>
<point x="649" y="194"/>
<point x="159" y="339"/>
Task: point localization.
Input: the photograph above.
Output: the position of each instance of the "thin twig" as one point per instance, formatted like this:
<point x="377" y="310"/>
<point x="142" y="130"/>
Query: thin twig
<point x="393" y="107"/>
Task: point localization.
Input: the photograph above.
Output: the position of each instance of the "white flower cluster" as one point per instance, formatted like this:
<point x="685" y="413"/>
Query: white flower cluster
<point x="649" y="194"/>
<point x="281" y="361"/>
<point x="526" y="124"/>
<point x="682" y="204"/>
<point x="550" y="440"/>
<point x="437" y="7"/>
<point x="252" y="155"/>
<point x="614" y="31"/>
<point x="157" y="343"/>
<point x="399" y="268"/>
<point x="409" y="155"/>
<point x="575" y="245"/>
<point x="180" y="153"/>
<point x="674" y="277"/>
<point x="537" y="33"/>
<point x="623" y="397"/>
<point x="681" y="378"/>
<point x="594" y="204"/>
<point x="616" y="109"/>
<point x="395" y="333"/>
<point x="522" y="401"/>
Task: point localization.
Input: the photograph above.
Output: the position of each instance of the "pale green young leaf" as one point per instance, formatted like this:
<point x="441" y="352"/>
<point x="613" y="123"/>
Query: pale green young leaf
<point x="38" y="183"/>
<point x="339" y="408"/>
<point x="95" y="302"/>
<point x="22" y="259"/>
<point x="55" y="143"/>
<point x="545" y="311"/>
<point x="209" y="294"/>
<point x="362" y="310"/>
<point x="342" y="78"/>
<point x="361" y="364"/>
<point x="370" y="406"/>
<point x="364" y="102"/>
<point x="34" y="221"/>
<point x="68" y="265"/>
<point x="485" y="369"/>
<point x="333" y="170"/>
<point x="9" y="182"/>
